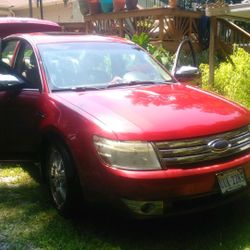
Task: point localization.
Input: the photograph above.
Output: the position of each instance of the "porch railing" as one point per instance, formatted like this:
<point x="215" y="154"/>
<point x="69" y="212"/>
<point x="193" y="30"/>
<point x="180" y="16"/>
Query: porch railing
<point x="164" y="25"/>
<point x="228" y="34"/>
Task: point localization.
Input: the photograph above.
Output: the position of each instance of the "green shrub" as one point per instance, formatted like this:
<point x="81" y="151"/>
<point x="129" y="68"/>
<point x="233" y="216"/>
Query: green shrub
<point x="141" y="39"/>
<point x="203" y="58"/>
<point x="158" y="52"/>
<point x="162" y="55"/>
<point x="231" y="80"/>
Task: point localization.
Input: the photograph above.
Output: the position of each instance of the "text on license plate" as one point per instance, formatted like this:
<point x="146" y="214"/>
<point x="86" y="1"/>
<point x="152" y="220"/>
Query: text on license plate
<point x="231" y="180"/>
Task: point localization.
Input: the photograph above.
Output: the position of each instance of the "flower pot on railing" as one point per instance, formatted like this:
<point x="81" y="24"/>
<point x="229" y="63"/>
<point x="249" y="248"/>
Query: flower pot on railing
<point x="84" y="7"/>
<point x="106" y="6"/>
<point x="172" y="3"/>
<point x="131" y="4"/>
<point x="118" y="5"/>
<point x="94" y="7"/>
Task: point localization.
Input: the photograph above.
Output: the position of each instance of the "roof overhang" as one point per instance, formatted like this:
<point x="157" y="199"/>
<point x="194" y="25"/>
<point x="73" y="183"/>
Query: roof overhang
<point x="234" y="11"/>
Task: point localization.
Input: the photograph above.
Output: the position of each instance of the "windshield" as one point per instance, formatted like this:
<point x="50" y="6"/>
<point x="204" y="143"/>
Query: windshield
<point x="94" y="64"/>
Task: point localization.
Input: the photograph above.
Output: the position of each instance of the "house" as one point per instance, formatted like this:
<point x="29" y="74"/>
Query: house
<point x="53" y="10"/>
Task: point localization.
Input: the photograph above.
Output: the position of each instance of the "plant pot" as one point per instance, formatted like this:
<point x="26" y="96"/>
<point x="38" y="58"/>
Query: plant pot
<point x="131" y="4"/>
<point x="172" y="4"/>
<point x="118" y="5"/>
<point x="94" y="7"/>
<point x="106" y="6"/>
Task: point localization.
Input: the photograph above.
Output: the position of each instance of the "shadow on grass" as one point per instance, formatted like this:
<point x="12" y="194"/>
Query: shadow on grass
<point x="37" y="224"/>
<point x="225" y="228"/>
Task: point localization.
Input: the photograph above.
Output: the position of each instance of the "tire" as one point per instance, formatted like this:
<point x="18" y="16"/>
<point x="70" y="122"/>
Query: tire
<point x="63" y="184"/>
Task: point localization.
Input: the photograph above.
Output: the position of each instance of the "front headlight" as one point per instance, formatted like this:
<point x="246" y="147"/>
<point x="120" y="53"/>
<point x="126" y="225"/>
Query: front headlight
<point x="127" y="155"/>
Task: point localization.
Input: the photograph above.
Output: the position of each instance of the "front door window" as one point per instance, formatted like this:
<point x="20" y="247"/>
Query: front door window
<point x="8" y="52"/>
<point x="26" y="66"/>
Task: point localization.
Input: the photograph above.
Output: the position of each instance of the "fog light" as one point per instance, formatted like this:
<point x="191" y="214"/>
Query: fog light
<point x="147" y="208"/>
<point x="144" y="207"/>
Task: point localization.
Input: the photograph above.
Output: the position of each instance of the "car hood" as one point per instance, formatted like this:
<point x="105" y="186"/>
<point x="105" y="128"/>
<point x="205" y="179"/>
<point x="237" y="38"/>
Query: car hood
<point x="159" y="112"/>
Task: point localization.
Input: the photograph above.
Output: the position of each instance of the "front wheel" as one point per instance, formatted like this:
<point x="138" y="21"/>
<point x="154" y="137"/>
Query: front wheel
<point x="62" y="179"/>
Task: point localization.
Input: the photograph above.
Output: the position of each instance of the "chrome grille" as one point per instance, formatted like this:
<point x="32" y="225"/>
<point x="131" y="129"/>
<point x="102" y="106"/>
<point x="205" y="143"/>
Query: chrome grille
<point x="198" y="150"/>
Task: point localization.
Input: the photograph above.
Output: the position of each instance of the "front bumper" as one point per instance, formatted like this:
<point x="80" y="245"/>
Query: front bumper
<point x="180" y="205"/>
<point x="172" y="191"/>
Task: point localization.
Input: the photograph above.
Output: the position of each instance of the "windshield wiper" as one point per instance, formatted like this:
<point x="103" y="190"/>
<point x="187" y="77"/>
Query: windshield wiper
<point x="76" y="89"/>
<point x="132" y="83"/>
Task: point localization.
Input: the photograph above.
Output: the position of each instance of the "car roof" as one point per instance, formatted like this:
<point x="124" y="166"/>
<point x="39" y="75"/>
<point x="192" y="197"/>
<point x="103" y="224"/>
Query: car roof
<point x="59" y="37"/>
<point x="12" y="25"/>
<point x="25" y="20"/>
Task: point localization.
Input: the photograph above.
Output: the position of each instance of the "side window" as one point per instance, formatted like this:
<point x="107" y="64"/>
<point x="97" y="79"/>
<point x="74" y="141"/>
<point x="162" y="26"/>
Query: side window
<point x="8" y="51"/>
<point x="26" y="65"/>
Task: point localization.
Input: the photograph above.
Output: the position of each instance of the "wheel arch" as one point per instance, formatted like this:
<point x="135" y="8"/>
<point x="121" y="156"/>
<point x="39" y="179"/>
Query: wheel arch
<point x="52" y="141"/>
<point x="51" y="135"/>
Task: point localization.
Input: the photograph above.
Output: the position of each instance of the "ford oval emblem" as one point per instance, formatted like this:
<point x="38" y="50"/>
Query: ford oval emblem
<point x="219" y="145"/>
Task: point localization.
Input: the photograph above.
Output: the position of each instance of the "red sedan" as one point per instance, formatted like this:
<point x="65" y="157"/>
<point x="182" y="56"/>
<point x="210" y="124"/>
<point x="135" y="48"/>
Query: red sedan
<point x="100" y="115"/>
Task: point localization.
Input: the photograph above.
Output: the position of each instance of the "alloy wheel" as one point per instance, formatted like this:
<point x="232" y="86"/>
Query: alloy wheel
<point x="57" y="178"/>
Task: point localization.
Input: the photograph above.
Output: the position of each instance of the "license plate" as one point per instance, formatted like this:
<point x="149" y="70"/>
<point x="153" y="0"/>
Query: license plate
<point x="231" y="180"/>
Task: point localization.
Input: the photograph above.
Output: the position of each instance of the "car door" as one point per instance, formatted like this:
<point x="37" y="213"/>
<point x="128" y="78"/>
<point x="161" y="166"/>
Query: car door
<point x="22" y="107"/>
<point x="8" y="53"/>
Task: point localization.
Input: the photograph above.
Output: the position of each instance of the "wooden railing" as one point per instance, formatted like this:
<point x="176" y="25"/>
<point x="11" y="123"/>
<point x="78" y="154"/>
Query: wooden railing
<point x="228" y="34"/>
<point x="73" y="27"/>
<point x="164" y="25"/>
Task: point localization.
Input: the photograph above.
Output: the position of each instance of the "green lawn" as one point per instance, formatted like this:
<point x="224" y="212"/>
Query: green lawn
<point x="28" y="221"/>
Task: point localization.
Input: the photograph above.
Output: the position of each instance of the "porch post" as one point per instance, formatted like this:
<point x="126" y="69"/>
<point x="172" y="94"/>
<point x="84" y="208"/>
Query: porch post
<point x="41" y="9"/>
<point x="212" y="49"/>
<point x="30" y="8"/>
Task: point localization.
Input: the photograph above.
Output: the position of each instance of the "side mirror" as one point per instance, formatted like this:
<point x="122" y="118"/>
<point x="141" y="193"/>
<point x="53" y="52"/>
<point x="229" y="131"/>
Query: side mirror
<point x="187" y="72"/>
<point x="10" y="82"/>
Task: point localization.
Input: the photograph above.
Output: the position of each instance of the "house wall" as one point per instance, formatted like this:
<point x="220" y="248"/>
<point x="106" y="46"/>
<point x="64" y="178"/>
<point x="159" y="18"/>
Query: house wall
<point x="56" y="12"/>
<point x="4" y="13"/>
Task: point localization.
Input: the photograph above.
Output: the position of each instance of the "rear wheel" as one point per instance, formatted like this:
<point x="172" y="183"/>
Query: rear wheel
<point x="62" y="179"/>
